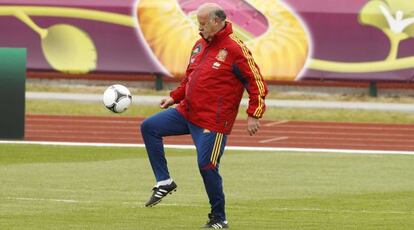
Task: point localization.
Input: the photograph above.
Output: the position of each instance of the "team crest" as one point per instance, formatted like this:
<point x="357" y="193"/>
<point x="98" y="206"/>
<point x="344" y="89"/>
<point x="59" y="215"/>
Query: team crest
<point x="196" y="50"/>
<point x="222" y="54"/>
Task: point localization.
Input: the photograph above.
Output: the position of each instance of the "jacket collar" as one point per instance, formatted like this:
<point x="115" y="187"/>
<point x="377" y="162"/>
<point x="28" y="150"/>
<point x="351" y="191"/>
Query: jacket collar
<point x="225" y="32"/>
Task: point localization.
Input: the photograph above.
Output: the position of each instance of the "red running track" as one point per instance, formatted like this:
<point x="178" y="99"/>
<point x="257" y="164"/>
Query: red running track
<point x="291" y="134"/>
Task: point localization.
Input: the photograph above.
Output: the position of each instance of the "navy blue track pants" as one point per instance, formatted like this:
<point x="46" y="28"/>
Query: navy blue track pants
<point x="210" y="146"/>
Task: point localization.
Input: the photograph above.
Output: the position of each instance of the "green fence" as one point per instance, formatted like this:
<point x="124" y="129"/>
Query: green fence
<point x="12" y="92"/>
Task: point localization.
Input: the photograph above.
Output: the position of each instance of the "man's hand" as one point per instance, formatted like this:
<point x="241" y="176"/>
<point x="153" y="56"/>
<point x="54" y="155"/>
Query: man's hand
<point x="253" y="125"/>
<point x="166" y="102"/>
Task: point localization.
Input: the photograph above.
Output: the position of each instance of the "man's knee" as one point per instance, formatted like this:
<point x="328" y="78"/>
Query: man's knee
<point x="147" y="125"/>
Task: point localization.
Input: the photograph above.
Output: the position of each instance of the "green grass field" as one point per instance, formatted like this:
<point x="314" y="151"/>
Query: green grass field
<point x="51" y="86"/>
<point x="51" y="187"/>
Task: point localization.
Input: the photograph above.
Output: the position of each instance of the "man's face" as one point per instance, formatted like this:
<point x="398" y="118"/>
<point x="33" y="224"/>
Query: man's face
<point x="207" y="26"/>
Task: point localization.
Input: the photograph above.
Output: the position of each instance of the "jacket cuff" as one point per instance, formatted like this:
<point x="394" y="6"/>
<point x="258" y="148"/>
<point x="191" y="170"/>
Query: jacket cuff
<point x="174" y="96"/>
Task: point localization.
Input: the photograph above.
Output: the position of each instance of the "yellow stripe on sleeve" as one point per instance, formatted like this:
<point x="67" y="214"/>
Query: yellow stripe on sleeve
<point x="256" y="74"/>
<point x="259" y="109"/>
<point x="251" y="63"/>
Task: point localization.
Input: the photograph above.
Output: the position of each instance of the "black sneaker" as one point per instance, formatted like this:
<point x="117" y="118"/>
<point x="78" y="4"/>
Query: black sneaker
<point x="159" y="193"/>
<point x="215" y="222"/>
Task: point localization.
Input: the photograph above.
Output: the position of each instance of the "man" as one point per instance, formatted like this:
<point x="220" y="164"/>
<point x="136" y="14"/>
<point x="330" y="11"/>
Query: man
<point x="208" y="99"/>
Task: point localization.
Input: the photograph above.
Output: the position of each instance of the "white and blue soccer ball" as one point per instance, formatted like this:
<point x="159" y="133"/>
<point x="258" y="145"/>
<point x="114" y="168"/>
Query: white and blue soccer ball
<point x="117" y="98"/>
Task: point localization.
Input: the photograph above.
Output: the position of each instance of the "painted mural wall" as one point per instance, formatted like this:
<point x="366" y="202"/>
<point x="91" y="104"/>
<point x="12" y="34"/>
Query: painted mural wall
<point x="289" y="39"/>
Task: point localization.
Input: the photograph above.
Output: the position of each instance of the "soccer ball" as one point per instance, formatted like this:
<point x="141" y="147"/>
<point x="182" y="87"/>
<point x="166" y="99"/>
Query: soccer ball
<point x="117" y="98"/>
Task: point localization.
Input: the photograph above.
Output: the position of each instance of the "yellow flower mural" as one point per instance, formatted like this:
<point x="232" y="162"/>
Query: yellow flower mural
<point x="281" y="51"/>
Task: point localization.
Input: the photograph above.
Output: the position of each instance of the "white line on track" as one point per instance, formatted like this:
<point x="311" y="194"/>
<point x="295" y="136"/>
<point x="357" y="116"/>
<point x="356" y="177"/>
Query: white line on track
<point x="273" y="139"/>
<point x="236" y="148"/>
<point x="276" y="123"/>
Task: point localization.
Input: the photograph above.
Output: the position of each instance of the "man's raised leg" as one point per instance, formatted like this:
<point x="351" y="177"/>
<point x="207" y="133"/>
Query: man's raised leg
<point x="166" y="123"/>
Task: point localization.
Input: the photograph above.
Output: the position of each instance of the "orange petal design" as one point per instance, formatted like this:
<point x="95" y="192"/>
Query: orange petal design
<point x="169" y="33"/>
<point x="281" y="52"/>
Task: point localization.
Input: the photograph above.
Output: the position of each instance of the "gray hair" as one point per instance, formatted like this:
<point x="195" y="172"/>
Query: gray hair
<point x="218" y="13"/>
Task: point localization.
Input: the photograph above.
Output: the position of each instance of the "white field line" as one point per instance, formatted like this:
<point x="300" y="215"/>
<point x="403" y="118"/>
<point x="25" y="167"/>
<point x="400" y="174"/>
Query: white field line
<point x="263" y="134"/>
<point x="132" y="139"/>
<point x="298" y="209"/>
<point x="42" y="199"/>
<point x="236" y="148"/>
<point x="280" y="209"/>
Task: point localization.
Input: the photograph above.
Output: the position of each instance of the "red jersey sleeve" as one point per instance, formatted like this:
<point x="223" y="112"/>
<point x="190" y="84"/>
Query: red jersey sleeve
<point x="178" y="94"/>
<point x="250" y="73"/>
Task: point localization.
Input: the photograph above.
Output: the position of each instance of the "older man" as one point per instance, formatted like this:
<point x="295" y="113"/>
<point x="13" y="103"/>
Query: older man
<point x="208" y="99"/>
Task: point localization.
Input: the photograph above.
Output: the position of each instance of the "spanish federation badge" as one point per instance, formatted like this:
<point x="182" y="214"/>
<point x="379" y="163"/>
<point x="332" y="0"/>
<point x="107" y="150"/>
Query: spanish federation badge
<point x="222" y="54"/>
<point x="196" y="50"/>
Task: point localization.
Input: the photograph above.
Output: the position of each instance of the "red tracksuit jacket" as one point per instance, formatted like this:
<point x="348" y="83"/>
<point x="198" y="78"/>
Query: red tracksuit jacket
<point x="219" y="71"/>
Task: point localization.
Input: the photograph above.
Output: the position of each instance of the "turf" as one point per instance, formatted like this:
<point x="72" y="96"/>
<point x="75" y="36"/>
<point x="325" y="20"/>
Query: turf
<point x="32" y="85"/>
<point x="50" y="187"/>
